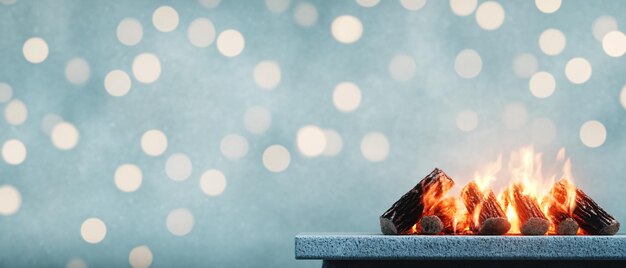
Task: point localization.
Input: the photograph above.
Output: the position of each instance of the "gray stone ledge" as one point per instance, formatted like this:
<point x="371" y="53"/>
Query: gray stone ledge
<point x="346" y="246"/>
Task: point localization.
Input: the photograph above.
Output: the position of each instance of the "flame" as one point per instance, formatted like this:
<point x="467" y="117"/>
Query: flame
<point x="525" y="169"/>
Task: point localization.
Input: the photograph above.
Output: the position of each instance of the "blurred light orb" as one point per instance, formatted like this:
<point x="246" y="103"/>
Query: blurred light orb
<point x="15" y="112"/>
<point x="542" y="85"/>
<point x="468" y="63"/>
<point x="622" y="97"/>
<point x="402" y="68"/>
<point x="375" y="147"/>
<point x="64" y="136"/>
<point x="35" y="50"/>
<point x="602" y="26"/>
<point x="128" y="177"/>
<point x="14" y="152"/>
<point x="153" y="142"/>
<point x="257" y="120"/>
<point x="515" y="116"/>
<point x="7" y="2"/>
<point x="129" y="31"/>
<point x="180" y="222"/>
<point x="117" y="83"/>
<point x="490" y="15"/>
<point x="548" y="6"/>
<point x="146" y="68"/>
<point x="614" y="44"/>
<point x="140" y="257"/>
<point x="201" y="32"/>
<point x="311" y="140"/>
<point x="267" y="75"/>
<point x="276" y="158"/>
<point x="463" y="7"/>
<point x="543" y="131"/>
<point x="178" y="167"/>
<point x="49" y="121"/>
<point x="10" y="200"/>
<point x="552" y="42"/>
<point x="305" y="14"/>
<point x="277" y="6"/>
<point x="592" y="134"/>
<point x="230" y="43"/>
<point x="234" y="146"/>
<point x="77" y="71"/>
<point x="334" y="143"/>
<point x="467" y="120"/>
<point x="347" y="97"/>
<point x="525" y="65"/>
<point x="347" y="29"/>
<point x="6" y="92"/>
<point x="578" y="70"/>
<point x="93" y="230"/>
<point x="367" y="3"/>
<point x="413" y="5"/>
<point x="209" y="3"/>
<point x="165" y="19"/>
<point x="76" y="263"/>
<point x="212" y="182"/>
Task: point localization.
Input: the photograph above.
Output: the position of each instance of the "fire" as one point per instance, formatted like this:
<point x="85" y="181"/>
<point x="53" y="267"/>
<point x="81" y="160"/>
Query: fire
<point x="525" y="171"/>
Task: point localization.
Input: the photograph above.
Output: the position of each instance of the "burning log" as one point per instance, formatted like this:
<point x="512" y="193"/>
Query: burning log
<point x="439" y="218"/>
<point x="487" y="216"/>
<point x="407" y="211"/>
<point x="531" y="218"/>
<point x="586" y="213"/>
<point x="592" y="218"/>
<point x="561" y="201"/>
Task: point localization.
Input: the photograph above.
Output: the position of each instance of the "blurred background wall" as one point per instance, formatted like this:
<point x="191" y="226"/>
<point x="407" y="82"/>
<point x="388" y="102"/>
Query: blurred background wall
<point x="209" y="133"/>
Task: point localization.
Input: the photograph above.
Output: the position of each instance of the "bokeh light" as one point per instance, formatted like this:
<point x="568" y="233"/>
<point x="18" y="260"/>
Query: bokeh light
<point x="35" y="50"/>
<point x="468" y="63"/>
<point x="467" y="120"/>
<point x="180" y="222"/>
<point x="230" y="43"/>
<point x="140" y="257"/>
<point x="267" y="75"/>
<point x="548" y="6"/>
<point x="93" y="230"/>
<point x="146" y="68"/>
<point x="490" y="15"/>
<point x="375" y="147"/>
<point x="212" y="182"/>
<point x="402" y="68"/>
<point x="413" y="5"/>
<point x="117" y="83"/>
<point x="6" y="92"/>
<point x="305" y="14"/>
<point x="234" y="146"/>
<point x="15" y="112"/>
<point x="77" y="71"/>
<point x="128" y="177"/>
<point x="276" y="158"/>
<point x="64" y="136"/>
<point x="129" y="31"/>
<point x="153" y="142"/>
<point x="165" y="19"/>
<point x="542" y="84"/>
<point x="201" y="32"/>
<point x="311" y="141"/>
<point x="592" y="134"/>
<point x="463" y="7"/>
<point x="347" y="97"/>
<point x="552" y="42"/>
<point x="257" y="120"/>
<point x="14" y="152"/>
<point x="10" y="200"/>
<point x="578" y="70"/>
<point x="347" y="29"/>
<point x="178" y="167"/>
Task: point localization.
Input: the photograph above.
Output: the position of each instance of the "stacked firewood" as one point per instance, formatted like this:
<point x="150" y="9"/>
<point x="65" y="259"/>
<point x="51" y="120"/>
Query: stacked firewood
<point x="425" y="210"/>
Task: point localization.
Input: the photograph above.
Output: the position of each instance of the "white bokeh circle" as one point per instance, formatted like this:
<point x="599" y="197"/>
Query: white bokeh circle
<point x="311" y="140"/>
<point x="592" y="134"/>
<point x="178" y="167"/>
<point x="375" y="147"/>
<point x="276" y="158"/>
<point x="542" y="84"/>
<point x="93" y="230"/>
<point x="578" y="70"/>
<point x="153" y="142"/>
<point x="213" y="182"/>
<point x="180" y="222"/>
<point x="490" y="15"/>
<point x="347" y="29"/>
<point x="347" y="97"/>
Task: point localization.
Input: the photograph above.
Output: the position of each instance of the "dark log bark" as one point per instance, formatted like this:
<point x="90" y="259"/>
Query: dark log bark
<point x="431" y="225"/>
<point x="487" y="217"/>
<point x="592" y="218"/>
<point x="406" y="212"/>
<point x="532" y="220"/>
<point x="559" y="209"/>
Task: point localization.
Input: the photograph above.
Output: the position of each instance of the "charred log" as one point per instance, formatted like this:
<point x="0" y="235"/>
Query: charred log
<point x="559" y="209"/>
<point x="431" y="225"/>
<point x="487" y="217"/>
<point x="444" y="210"/>
<point x="592" y="218"/>
<point x="532" y="220"/>
<point x="407" y="211"/>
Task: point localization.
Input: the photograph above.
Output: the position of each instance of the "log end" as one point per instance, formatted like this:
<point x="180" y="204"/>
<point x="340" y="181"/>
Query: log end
<point x="536" y="226"/>
<point x="567" y="227"/>
<point x="495" y="226"/>
<point x="387" y="227"/>
<point x="611" y="229"/>
<point x="431" y="225"/>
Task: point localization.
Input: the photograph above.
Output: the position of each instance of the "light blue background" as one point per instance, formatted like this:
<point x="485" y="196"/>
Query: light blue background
<point x="201" y="96"/>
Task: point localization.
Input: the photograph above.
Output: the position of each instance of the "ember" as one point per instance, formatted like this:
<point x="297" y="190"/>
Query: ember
<point x="530" y="205"/>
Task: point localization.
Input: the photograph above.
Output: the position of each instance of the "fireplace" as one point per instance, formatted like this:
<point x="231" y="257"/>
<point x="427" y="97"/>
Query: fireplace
<point x="535" y="219"/>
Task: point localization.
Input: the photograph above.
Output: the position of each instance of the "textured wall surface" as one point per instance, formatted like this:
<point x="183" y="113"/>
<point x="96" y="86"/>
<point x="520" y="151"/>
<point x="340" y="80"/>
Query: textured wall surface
<point x="186" y="133"/>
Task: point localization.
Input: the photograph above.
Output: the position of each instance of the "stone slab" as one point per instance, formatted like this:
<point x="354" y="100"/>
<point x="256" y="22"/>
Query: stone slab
<point x="346" y="246"/>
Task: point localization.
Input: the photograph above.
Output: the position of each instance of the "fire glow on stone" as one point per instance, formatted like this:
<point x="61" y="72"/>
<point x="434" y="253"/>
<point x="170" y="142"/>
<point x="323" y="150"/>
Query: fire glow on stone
<point x="537" y="200"/>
